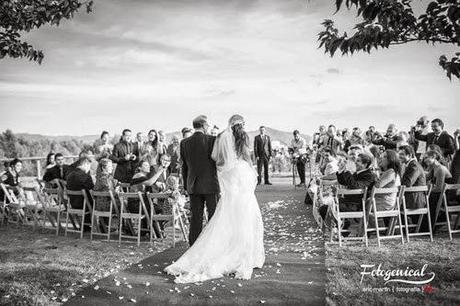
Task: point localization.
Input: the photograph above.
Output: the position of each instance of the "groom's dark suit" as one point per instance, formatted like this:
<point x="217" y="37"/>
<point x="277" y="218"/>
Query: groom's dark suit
<point x="200" y="178"/>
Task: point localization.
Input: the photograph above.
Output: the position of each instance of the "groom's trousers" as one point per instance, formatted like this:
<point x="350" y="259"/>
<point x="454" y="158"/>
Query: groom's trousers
<point x="197" y="202"/>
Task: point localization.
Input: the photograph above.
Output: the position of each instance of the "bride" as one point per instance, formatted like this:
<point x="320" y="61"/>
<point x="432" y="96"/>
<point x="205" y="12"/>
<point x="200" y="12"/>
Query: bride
<point x="232" y="241"/>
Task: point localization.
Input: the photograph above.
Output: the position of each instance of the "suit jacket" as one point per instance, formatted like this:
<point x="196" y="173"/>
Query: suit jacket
<point x="444" y="141"/>
<point x="76" y="181"/>
<point x="390" y="143"/>
<point x="363" y="179"/>
<point x="55" y="173"/>
<point x="125" y="168"/>
<point x="414" y="176"/>
<point x="262" y="147"/>
<point x="198" y="168"/>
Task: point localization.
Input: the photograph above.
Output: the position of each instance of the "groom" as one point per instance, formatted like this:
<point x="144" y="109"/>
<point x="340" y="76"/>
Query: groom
<point x="199" y="174"/>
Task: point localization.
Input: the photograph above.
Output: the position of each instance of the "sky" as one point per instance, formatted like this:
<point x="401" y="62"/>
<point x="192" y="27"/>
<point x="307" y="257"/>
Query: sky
<point x="158" y="64"/>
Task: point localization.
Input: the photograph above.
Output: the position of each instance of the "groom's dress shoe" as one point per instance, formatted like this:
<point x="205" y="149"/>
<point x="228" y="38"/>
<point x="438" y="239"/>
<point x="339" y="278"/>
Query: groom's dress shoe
<point x="268" y="183"/>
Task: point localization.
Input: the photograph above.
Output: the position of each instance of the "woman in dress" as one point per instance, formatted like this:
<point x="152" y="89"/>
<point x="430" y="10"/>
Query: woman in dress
<point x="102" y="147"/>
<point x="232" y="241"/>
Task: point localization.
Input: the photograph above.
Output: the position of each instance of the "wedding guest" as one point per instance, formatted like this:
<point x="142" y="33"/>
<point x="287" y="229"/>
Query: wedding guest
<point x="263" y="154"/>
<point x="332" y="140"/>
<point x="139" y="141"/>
<point x="173" y="151"/>
<point x="102" y="147"/>
<point x="439" y="176"/>
<point x="161" y="143"/>
<point x="186" y="132"/>
<point x="413" y="176"/>
<point x="438" y="137"/>
<point x="125" y="156"/>
<point x="78" y="180"/>
<point x="214" y="131"/>
<point x="332" y="165"/>
<point x="390" y="177"/>
<point x="455" y="167"/>
<point x="104" y="182"/>
<point x="50" y="162"/>
<point x="56" y="173"/>
<point x="299" y="148"/>
<point x="318" y="137"/>
<point x="370" y="134"/>
<point x="389" y="140"/>
<point x="11" y="177"/>
<point x="403" y="139"/>
<point x="353" y="153"/>
<point x="376" y="154"/>
<point x="420" y="146"/>
<point x="150" y="151"/>
<point x="344" y="135"/>
<point x="354" y="139"/>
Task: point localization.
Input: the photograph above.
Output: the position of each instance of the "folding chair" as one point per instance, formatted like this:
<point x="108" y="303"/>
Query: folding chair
<point x="450" y="207"/>
<point x="125" y="186"/>
<point x="77" y="212"/>
<point x="350" y="215"/>
<point x="421" y="212"/>
<point x="394" y="213"/>
<point x="12" y="207"/>
<point x="97" y="214"/>
<point x="174" y="217"/>
<point x="34" y="208"/>
<point x="54" y="205"/>
<point x="138" y="216"/>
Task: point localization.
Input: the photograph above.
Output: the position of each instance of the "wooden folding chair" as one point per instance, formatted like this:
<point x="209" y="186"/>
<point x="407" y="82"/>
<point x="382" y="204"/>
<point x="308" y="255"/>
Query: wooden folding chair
<point x="138" y="216"/>
<point x="97" y="214"/>
<point x="54" y="205"/>
<point x="360" y="214"/>
<point x="174" y="217"/>
<point x="34" y="208"/>
<point x="12" y="207"/>
<point x="395" y="213"/>
<point x="78" y="212"/>
<point x="421" y="212"/>
<point x="450" y="207"/>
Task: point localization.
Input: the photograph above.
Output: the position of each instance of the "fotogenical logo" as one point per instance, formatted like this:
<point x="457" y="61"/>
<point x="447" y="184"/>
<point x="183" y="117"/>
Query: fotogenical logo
<point x="405" y="276"/>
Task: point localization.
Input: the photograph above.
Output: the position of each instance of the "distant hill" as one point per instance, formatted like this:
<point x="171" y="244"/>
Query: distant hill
<point x="276" y="135"/>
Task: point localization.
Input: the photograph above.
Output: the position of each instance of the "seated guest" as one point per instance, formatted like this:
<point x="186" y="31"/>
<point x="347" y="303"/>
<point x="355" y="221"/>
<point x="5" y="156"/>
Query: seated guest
<point x="125" y="155"/>
<point x="78" y="180"/>
<point x="57" y="173"/>
<point x="102" y="147"/>
<point x="440" y="176"/>
<point x="50" y="160"/>
<point x="390" y="140"/>
<point x="376" y="154"/>
<point x="438" y="137"/>
<point x="354" y="139"/>
<point x="413" y="176"/>
<point x="331" y="166"/>
<point x="11" y="177"/>
<point x="437" y="149"/>
<point x="389" y="178"/>
<point x="173" y="152"/>
<point x="353" y="153"/>
<point x="104" y="182"/>
<point x="161" y="173"/>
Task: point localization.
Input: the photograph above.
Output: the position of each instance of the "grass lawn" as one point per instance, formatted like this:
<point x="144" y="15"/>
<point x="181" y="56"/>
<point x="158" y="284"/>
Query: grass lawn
<point x="38" y="268"/>
<point x="344" y="272"/>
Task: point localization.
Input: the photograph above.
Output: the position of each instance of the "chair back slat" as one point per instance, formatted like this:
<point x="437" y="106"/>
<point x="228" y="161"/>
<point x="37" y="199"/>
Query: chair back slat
<point x="416" y="189"/>
<point x="452" y="187"/>
<point x="385" y="190"/>
<point x="351" y="191"/>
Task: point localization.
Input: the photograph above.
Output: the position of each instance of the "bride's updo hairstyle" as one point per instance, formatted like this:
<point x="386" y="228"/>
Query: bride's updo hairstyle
<point x="241" y="137"/>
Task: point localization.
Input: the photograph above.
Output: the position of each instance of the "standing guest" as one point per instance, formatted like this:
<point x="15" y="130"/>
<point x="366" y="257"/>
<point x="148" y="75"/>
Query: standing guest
<point x="102" y="147"/>
<point x="78" y="180"/>
<point x="354" y="139"/>
<point x="139" y="141"/>
<point x="150" y="150"/>
<point x="50" y="160"/>
<point x="455" y="167"/>
<point x="439" y="176"/>
<point x="413" y="176"/>
<point x="390" y="177"/>
<point x="263" y="154"/>
<point x="420" y="146"/>
<point x="173" y="151"/>
<point x="299" y="148"/>
<point x="215" y="131"/>
<point x="56" y="173"/>
<point x="390" y="140"/>
<point x="11" y="177"/>
<point x="318" y="137"/>
<point x="332" y="140"/>
<point x="125" y="156"/>
<point x="186" y="132"/>
<point x="353" y="153"/>
<point x="370" y="134"/>
<point x="344" y="135"/>
<point x="161" y="143"/>
<point x="376" y="154"/>
<point x="438" y="137"/>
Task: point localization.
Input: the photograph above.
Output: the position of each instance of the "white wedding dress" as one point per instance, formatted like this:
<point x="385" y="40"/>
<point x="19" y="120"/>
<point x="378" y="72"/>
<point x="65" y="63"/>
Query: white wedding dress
<point x="232" y="241"/>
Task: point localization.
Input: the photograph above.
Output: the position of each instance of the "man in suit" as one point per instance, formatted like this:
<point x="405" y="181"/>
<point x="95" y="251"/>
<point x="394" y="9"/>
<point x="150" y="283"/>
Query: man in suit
<point x="438" y="137"/>
<point x="390" y="140"/>
<point x="125" y="154"/>
<point x="199" y="174"/>
<point x="262" y="153"/>
<point x="58" y="172"/>
<point x="413" y="176"/>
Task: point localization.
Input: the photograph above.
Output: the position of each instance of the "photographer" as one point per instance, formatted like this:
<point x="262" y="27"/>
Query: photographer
<point x="125" y="154"/>
<point x="419" y="145"/>
<point x="299" y="150"/>
<point x="390" y="140"/>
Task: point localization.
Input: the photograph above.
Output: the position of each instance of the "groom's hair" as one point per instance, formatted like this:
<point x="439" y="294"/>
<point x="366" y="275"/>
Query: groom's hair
<point x="199" y="121"/>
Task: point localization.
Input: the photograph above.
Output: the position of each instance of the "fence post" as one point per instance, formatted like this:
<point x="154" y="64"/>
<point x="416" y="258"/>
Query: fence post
<point x="38" y="169"/>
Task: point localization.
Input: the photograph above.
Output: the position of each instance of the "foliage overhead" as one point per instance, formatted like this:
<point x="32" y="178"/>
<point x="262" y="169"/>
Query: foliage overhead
<point x="393" y="22"/>
<point x="19" y="16"/>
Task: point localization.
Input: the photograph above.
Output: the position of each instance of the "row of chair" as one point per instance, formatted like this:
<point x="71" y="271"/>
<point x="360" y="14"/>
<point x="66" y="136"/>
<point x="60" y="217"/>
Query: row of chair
<point x="368" y="209"/>
<point x="46" y="207"/>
